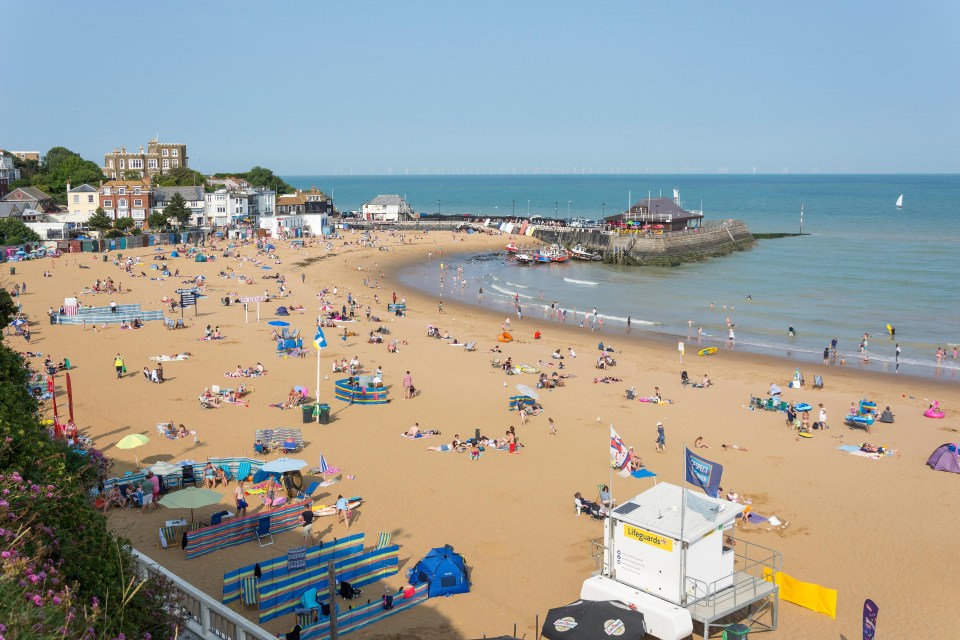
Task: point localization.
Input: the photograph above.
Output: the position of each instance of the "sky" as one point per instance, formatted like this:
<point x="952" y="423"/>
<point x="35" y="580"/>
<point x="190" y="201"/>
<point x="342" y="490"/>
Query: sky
<point x="617" y="86"/>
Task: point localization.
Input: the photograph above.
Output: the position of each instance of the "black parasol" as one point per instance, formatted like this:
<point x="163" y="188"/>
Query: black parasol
<point x="589" y="619"/>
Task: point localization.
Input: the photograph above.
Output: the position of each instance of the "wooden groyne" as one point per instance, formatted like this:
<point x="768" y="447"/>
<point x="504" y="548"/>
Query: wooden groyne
<point x="670" y="249"/>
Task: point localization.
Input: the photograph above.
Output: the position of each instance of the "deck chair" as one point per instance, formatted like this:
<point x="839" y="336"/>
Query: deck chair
<point x="291" y="447"/>
<point x="168" y="536"/>
<point x="226" y="472"/>
<point x="383" y="540"/>
<point x="217" y="518"/>
<point x="196" y="525"/>
<point x="470" y="346"/>
<point x="248" y="591"/>
<point x="243" y="471"/>
<point x="348" y="591"/>
<point x="308" y="492"/>
<point x="189" y="479"/>
<point x="495" y="363"/>
<point x="180" y="324"/>
<point x="263" y="531"/>
<point x="260" y="449"/>
<point x="206" y="403"/>
<point x="818" y="382"/>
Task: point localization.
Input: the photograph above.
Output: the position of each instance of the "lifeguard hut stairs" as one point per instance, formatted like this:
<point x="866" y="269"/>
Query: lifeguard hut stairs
<point x="749" y="599"/>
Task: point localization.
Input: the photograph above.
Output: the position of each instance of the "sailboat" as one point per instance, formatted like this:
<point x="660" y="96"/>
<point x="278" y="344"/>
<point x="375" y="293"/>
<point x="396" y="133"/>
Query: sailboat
<point x="900" y="202"/>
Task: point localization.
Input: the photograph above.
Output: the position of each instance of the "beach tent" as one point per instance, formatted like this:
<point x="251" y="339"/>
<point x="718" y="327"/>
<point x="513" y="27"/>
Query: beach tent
<point x="200" y="258"/>
<point x="282" y="311"/>
<point x="945" y="459"/>
<point x="504" y="337"/>
<point x="174" y="254"/>
<point x="444" y="570"/>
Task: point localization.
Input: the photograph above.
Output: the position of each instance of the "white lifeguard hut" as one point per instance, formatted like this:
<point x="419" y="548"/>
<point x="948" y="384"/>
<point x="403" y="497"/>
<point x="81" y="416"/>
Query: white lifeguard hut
<point x="671" y="553"/>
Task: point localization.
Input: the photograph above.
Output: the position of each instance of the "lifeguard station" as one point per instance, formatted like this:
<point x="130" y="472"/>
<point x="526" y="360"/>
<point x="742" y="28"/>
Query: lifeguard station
<point x="675" y="558"/>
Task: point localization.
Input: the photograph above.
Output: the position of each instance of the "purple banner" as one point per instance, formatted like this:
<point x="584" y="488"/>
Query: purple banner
<point x="870" y="610"/>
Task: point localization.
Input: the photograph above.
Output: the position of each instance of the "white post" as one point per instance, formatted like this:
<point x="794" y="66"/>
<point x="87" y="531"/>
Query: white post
<point x="317" y="396"/>
<point x="258" y="311"/>
<point x="246" y="314"/>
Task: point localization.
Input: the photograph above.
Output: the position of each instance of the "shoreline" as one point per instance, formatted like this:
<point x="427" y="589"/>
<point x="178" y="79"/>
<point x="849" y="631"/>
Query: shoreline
<point x="692" y="345"/>
<point x="510" y="515"/>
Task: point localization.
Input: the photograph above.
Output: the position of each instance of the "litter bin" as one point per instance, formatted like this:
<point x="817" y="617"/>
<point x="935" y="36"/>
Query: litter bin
<point x="13" y="271"/>
<point x="308" y="415"/>
<point x="104" y="257"/>
<point x="735" y="631"/>
<point x="324" y="413"/>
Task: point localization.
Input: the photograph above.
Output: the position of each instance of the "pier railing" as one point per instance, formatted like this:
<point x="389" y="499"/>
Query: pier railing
<point x="205" y="617"/>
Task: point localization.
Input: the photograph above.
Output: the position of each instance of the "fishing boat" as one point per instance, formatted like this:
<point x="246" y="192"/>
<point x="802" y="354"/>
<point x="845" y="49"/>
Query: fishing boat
<point x="579" y="252"/>
<point x="513" y="248"/>
<point x="900" y="202"/>
<point x="542" y="256"/>
<point x="523" y="258"/>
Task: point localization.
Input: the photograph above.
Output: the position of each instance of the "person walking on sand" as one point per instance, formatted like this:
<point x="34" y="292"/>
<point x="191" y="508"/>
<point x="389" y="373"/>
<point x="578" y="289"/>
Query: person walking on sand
<point x="240" y="496"/>
<point x="661" y="438"/>
<point x="343" y="511"/>
<point x="896" y="354"/>
<point x="553" y="427"/>
<point x="440" y="307"/>
<point x="118" y="365"/>
<point x="407" y="386"/>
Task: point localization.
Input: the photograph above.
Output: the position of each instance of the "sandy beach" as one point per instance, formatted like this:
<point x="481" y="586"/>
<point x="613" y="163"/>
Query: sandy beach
<point x="869" y="528"/>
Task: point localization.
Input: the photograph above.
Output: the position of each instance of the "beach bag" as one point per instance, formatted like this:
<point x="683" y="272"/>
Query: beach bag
<point x="123" y="369"/>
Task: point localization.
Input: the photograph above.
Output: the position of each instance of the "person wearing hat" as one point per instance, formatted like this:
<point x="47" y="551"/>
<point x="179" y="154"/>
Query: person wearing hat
<point x="661" y="438"/>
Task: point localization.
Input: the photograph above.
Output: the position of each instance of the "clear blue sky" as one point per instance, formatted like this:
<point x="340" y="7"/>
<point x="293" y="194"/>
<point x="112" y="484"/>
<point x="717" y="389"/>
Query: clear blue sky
<point x="339" y="87"/>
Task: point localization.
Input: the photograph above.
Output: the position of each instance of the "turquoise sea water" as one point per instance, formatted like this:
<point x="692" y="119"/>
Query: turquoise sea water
<point x="865" y="264"/>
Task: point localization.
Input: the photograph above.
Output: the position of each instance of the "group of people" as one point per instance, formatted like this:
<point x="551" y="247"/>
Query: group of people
<point x="155" y="374"/>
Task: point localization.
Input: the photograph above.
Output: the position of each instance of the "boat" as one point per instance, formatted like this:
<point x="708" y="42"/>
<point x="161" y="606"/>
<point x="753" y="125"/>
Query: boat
<point x="523" y="258"/>
<point x="579" y="252"/>
<point x="512" y="248"/>
<point x="542" y="256"/>
<point x="900" y="202"/>
<point x="555" y="253"/>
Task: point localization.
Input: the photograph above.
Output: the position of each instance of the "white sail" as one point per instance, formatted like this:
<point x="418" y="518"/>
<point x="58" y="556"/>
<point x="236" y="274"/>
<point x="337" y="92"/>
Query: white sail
<point x="900" y="202"/>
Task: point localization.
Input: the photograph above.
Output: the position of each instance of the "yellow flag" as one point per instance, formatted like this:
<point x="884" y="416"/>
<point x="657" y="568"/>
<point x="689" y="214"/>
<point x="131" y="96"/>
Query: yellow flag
<point x="806" y="594"/>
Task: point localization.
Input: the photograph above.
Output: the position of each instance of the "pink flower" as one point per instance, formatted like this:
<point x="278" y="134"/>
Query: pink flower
<point x="37" y="600"/>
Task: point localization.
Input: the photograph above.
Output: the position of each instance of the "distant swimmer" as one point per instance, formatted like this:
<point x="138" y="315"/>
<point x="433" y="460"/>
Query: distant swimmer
<point x="791" y="331"/>
<point x="481" y="290"/>
<point x="749" y="297"/>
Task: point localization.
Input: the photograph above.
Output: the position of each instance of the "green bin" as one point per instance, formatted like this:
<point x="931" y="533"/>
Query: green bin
<point x="735" y="631"/>
<point x="104" y="257"/>
<point x="308" y="415"/>
<point x="13" y="271"/>
<point x="324" y="413"/>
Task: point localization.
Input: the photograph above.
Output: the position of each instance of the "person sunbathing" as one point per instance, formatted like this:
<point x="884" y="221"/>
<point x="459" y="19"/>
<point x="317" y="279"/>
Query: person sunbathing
<point x="700" y="444"/>
<point x="586" y="506"/>
<point x="182" y="431"/>
<point x="220" y="476"/>
<point x="733" y="446"/>
<point x="414" y="431"/>
<point x="706" y="381"/>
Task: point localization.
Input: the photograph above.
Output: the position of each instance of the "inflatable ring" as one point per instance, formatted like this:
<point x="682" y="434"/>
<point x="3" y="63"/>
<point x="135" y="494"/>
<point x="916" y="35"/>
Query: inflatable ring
<point x="930" y="413"/>
<point x="707" y="351"/>
<point x="802" y="406"/>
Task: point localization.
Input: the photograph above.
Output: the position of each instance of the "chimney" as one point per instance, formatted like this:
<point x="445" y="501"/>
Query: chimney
<point x="68" y="187"/>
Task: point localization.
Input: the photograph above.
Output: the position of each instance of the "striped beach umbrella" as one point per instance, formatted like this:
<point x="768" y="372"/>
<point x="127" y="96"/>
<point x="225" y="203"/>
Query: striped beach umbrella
<point x="323" y="464"/>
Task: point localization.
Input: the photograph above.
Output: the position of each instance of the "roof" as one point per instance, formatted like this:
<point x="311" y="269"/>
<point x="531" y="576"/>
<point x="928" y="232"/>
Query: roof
<point x="26" y="193"/>
<point x="84" y="188"/>
<point x="387" y="201"/>
<point x="127" y="183"/>
<point x="291" y="198"/>
<point x="162" y="194"/>
<point x="11" y="209"/>
<point x="659" y="509"/>
<point x="657" y="207"/>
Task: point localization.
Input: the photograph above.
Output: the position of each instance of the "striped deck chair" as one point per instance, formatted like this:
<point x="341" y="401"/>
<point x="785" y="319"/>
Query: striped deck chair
<point x="243" y="470"/>
<point x="226" y="472"/>
<point x="248" y="591"/>
<point x="196" y="525"/>
<point x="168" y="537"/>
<point x="383" y="540"/>
<point x="600" y="496"/>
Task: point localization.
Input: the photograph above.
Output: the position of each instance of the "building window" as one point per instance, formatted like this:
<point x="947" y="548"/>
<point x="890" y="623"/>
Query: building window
<point x="90" y="199"/>
<point x="152" y="163"/>
<point x="76" y="199"/>
<point x="135" y="164"/>
<point x="121" y="164"/>
<point x="176" y="163"/>
<point x="122" y="203"/>
<point x="174" y="152"/>
<point x="121" y="191"/>
<point x="109" y="164"/>
<point x="166" y="163"/>
<point x="166" y="152"/>
<point x="138" y="202"/>
<point x="108" y="204"/>
<point x="136" y="191"/>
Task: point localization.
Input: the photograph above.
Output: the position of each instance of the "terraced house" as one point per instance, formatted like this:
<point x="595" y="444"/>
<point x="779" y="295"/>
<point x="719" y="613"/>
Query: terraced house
<point x="127" y="198"/>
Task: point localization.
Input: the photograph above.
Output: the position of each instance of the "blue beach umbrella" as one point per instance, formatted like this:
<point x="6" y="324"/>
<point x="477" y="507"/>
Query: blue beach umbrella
<point x="278" y="323"/>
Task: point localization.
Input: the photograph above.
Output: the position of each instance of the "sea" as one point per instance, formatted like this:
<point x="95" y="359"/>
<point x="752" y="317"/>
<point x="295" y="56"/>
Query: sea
<point x="865" y="264"/>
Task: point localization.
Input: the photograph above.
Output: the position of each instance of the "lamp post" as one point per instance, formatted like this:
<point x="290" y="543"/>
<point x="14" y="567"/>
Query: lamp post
<point x="568" y="209"/>
<point x="514" y="209"/>
<point x="438" y="206"/>
<point x="556" y="209"/>
<point x="528" y="209"/>
<point x="603" y="208"/>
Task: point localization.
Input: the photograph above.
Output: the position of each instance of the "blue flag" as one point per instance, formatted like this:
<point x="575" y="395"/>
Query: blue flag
<point x="318" y="340"/>
<point x="702" y="473"/>
<point x="870" y="611"/>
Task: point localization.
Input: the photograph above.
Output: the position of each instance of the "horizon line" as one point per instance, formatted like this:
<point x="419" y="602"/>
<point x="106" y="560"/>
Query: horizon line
<point x="388" y="174"/>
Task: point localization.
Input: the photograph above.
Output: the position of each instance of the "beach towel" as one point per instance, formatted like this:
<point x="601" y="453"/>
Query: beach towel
<point x="173" y="358"/>
<point x="756" y="518"/>
<point x="806" y="594"/>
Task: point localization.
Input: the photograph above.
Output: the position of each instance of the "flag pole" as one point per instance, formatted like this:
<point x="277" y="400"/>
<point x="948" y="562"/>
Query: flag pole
<point x="683" y="514"/>
<point x="317" y="403"/>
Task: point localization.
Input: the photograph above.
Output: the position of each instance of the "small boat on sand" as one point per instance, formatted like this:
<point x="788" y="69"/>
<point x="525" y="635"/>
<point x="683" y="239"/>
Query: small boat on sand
<point x="523" y="258"/>
<point x="513" y="248"/>
<point x="579" y="252"/>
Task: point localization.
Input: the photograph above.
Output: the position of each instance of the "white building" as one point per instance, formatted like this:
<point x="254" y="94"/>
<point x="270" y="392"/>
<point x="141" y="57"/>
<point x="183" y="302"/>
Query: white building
<point x="8" y="172"/>
<point x="240" y="207"/>
<point x="387" y="209"/>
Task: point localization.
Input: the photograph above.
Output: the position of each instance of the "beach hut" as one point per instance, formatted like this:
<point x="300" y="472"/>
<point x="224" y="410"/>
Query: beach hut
<point x="945" y="458"/>
<point x="444" y="570"/>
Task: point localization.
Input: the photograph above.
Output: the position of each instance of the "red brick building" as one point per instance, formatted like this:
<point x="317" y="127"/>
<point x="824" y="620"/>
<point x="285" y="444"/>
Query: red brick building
<point x="127" y="198"/>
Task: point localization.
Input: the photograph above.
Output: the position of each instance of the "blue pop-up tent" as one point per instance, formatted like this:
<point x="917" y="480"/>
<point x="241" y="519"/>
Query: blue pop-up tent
<point x="444" y="570"/>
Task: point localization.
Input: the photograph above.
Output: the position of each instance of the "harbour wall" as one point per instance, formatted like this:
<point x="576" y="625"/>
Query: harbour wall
<point x="669" y="249"/>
